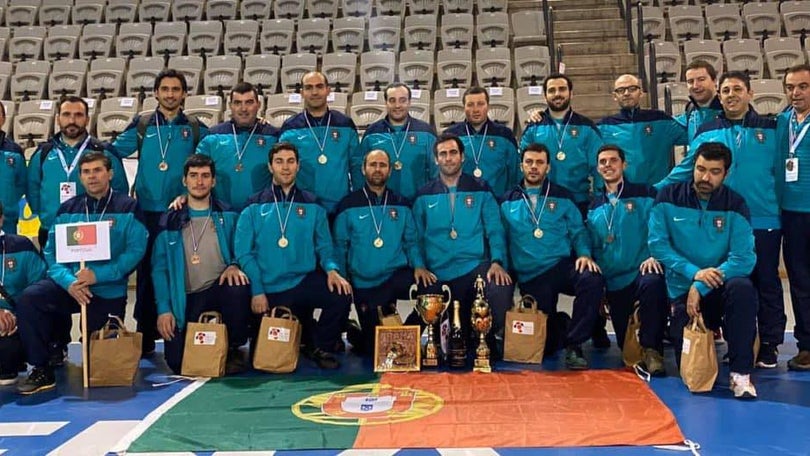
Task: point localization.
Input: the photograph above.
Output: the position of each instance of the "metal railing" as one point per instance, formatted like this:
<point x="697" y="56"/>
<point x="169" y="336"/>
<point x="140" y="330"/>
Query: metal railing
<point x="555" y="54"/>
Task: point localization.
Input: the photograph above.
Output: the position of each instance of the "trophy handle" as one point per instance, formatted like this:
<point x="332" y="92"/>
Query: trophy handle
<point x="445" y="288"/>
<point x="412" y="292"/>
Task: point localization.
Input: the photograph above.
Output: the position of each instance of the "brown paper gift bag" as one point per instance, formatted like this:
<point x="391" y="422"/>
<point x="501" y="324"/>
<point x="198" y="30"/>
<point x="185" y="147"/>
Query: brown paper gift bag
<point x="698" y="357"/>
<point x="632" y="352"/>
<point x="392" y="319"/>
<point x="278" y="342"/>
<point x="206" y="348"/>
<point x="525" y="333"/>
<point x="114" y="354"/>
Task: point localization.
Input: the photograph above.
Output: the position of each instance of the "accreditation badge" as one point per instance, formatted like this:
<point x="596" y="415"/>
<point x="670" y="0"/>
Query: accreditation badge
<point x="792" y="169"/>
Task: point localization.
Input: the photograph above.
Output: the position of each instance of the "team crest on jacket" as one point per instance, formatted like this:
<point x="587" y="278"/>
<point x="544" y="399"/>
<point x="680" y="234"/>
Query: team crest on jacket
<point x="186" y="133"/>
<point x="629" y="206"/>
<point x="11" y="264"/>
<point x="10" y="161"/>
<point x="260" y="141"/>
<point x="393" y="214"/>
<point x="552" y="205"/>
<point x="335" y="135"/>
<point x="648" y="130"/>
<point x="301" y="211"/>
<point x="469" y="201"/>
<point x="412" y="138"/>
<point x="574" y="132"/>
<point x="760" y="135"/>
<point x="719" y="224"/>
<point x="491" y="143"/>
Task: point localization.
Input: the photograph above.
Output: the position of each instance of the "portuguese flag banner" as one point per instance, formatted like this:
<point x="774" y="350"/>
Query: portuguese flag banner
<point x="414" y="410"/>
<point x="82" y="241"/>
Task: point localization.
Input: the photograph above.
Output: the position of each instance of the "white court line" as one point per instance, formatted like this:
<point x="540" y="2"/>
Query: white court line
<point x="467" y="452"/>
<point x="374" y="452"/>
<point x="3" y="451"/>
<point x="96" y="439"/>
<point x="162" y="454"/>
<point x="30" y="429"/>
<point x="153" y="416"/>
<point x="243" y="453"/>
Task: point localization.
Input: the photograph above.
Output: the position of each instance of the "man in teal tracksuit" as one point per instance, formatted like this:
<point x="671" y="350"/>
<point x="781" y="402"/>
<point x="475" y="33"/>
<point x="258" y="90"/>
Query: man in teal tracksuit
<point x="571" y="138"/>
<point x="100" y="285"/>
<point x="163" y="140"/>
<point x="756" y="163"/>
<point x="462" y="237"/>
<point x="327" y="141"/>
<point x="407" y="140"/>
<point x="700" y="231"/>
<point x="22" y="265"/>
<point x="194" y="269"/>
<point x="617" y="222"/>
<point x="647" y="136"/>
<point x="377" y="244"/>
<point x="544" y="226"/>
<point x="704" y="105"/>
<point x="12" y="176"/>
<point x="279" y="236"/>
<point x="491" y="147"/>
<point x="239" y="148"/>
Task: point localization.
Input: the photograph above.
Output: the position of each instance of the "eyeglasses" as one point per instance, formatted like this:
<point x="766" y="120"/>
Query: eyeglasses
<point x="623" y="90"/>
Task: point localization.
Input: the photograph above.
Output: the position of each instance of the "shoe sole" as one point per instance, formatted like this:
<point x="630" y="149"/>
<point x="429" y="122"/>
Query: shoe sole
<point x="745" y="396"/>
<point x="39" y="390"/>
<point x="577" y="368"/>
<point x="8" y="382"/>
<point x="763" y="365"/>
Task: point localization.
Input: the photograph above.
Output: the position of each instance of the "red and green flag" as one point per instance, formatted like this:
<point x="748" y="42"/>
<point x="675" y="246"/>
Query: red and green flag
<point x="81" y="235"/>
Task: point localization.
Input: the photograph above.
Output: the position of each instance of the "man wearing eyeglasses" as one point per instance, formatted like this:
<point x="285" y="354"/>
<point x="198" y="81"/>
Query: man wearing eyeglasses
<point x="647" y="136"/>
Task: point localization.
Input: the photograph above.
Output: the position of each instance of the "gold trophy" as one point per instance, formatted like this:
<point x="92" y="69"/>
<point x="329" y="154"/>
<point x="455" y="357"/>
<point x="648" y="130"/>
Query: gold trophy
<point x="481" y="323"/>
<point x="431" y="307"/>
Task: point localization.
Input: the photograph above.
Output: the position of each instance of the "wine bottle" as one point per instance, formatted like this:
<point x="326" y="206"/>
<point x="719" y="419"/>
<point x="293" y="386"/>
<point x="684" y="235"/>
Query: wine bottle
<point x="458" y="347"/>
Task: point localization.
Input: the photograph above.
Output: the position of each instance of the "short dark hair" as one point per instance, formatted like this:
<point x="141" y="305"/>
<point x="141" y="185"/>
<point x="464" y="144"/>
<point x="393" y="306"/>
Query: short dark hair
<point x="396" y="85"/>
<point x="444" y="137"/>
<point x="245" y="87"/>
<point x="474" y="90"/>
<point x="279" y="146"/>
<point x="70" y="99"/>
<point x="95" y="156"/>
<point x="739" y="75"/>
<point x="796" y="69"/>
<point x="557" y="76"/>
<point x="199" y="161"/>
<point x="171" y="73"/>
<point x="715" y="151"/>
<point x="698" y="64"/>
<point x="608" y="147"/>
<point x="537" y="148"/>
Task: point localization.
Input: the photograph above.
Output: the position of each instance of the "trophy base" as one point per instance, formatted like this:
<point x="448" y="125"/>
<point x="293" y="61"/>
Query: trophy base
<point x="482" y="365"/>
<point x="430" y="362"/>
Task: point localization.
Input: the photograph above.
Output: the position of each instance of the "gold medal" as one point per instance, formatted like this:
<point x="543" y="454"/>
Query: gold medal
<point x="195" y="259"/>
<point x="238" y="168"/>
<point x="378" y="242"/>
<point x="610" y="238"/>
<point x="322" y="159"/>
<point x="163" y="166"/>
<point x="477" y="172"/>
<point x="398" y="165"/>
<point x="538" y="233"/>
<point x="560" y="155"/>
<point x="453" y="233"/>
<point x="283" y="242"/>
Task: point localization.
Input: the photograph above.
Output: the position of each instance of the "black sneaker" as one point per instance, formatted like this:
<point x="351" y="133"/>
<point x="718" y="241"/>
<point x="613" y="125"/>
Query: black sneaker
<point x="574" y="359"/>
<point x="768" y="355"/>
<point x="599" y="337"/>
<point x="40" y="379"/>
<point x="323" y="359"/>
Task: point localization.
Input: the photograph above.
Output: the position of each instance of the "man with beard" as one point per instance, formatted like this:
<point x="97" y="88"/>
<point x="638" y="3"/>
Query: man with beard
<point x="239" y="148"/>
<point x="647" y="136"/>
<point x="704" y="105"/>
<point x="573" y="140"/>
<point x="544" y="226"/>
<point x="194" y="269"/>
<point x="752" y="140"/>
<point x="700" y="231"/>
<point x="491" y="146"/>
<point x="408" y="142"/>
<point x="13" y="177"/>
<point x="327" y="141"/>
<point x="376" y="243"/>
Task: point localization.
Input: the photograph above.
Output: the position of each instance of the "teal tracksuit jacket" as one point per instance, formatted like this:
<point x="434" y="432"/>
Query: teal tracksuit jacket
<point x="794" y="196"/>
<point x="12" y="181"/>
<point x="498" y="157"/>
<point x="23" y="266"/>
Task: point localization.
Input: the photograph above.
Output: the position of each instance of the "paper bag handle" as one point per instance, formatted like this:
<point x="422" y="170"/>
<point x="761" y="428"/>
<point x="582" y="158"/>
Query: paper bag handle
<point x="113" y="322"/>
<point x="289" y="315"/>
<point x="520" y="304"/>
<point x="697" y="323"/>
<point x="209" y="317"/>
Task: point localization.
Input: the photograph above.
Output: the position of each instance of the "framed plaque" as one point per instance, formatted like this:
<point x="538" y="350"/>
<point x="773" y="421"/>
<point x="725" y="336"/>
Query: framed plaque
<point x="397" y="348"/>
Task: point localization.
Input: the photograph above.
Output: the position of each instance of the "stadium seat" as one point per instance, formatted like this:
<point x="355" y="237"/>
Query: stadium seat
<point x="120" y="11"/>
<point x="494" y="67"/>
<point x="169" y="39"/>
<point x="338" y="101"/>
<point x="420" y="104"/>
<point x="423" y="7"/>
<point x="187" y="10"/>
<point x="288" y="9"/>
<point x="781" y="54"/>
<point x="86" y="12"/>
<point x="255" y="9"/>
<point x="26" y="44"/>
<point x="277" y="36"/>
<point x="654" y="27"/>
<point x="384" y="33"/>
<point x="133" y="40"/>
<point x="154" y="11"/>
<point x="416" y="68"/>
<point x="262" y="70"/>
<point x="141" y="76"/>
<point x="54" y="12"/>
<point x="389" y="8"/>
<point x="282" y="106"/>
<point x="29" y="80"/>
<point x="114" y="115"/>
<point x="457" y="31"/>
<point x="420" y="32"/>
<point x="490" y="6"/>
<point x="724" y="21"/>
<point x="324" y="9"/>
<point x="667" y="61"/>
<point x="313" y="35"/>
<point x="708" y="50"/>
<point x="502" y="105"/>
<point x="448" y="108"/>
<point x="367" y="107"/>
<point x="294" y="67"/>
<point x="204" y="38"/>
<point x="528" y="27"/>
<point x="222" y="74"/>
<point x="348" y="34"/>
<point x="33" y="122"/>
<point x="744" y="55"/>
<point x="769" y="96"/>
<point x="762" y="20"/>
<point x="106" y="77"/>
<point x="492" y="29"/>
<point x="532" y="65"/>
<point x="96" y="41"/>
<point x="22" y="13"/>
<point x="457" y="6"/>
<point x="529" y="98"/>
<point x="207" y="108"/>
<point x="796" y="16"/>
<point x="340" y="69"/>
<point x="241" y="37"/>
<point x="68" y="77"/>
<point x="62" y="42"/>
<point x="454" y="68"/>
<point x="686" y="22"/>
<point x="377" y="69"/>
<point x="192" y="68"/>
<point x="221" y="10"/>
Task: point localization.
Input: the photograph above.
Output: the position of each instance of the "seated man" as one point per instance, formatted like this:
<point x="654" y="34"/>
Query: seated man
<point x="279" y="235"/>
<point x="194" y="269"/>
<point x="618" y="220"/>
<point x="101" y="285"/>
<point x="700" y="232"/>
<point x="544" y="226"/>
<point x="22" y="266"/>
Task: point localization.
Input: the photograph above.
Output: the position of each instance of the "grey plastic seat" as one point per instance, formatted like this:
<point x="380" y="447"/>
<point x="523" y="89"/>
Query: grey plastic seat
<point x="340" y="69"/>
<point x="654" y="27"/>
<point x="490" y="6"/>
<point x="288" y="9"/>
<point x="241" y="37"/>
<point x="114" y="115"/>
<point x="23" y="13"/>
<point x="454" y="68"/>
<point x="457" y="31"/>
<point x="348" y="34"/>
<point x="384" y="33"/>
<point x="781" y="54"/>
<point x="10" y="110"/>
<point x="724" y="21"/>
<point x="492" y="29"/>
<point x="707" y="50"/>
<point x="282" y="106"/>
<point x="377" y="69"/>
<point x="420" y="105"/>
<point x="762" y="20"/>
<point x="33" y="122"/>
<point x="416" y="68"/>
<point x="5" y="78"/>
<point x="667" y="61"/>
<point x="204" y="38"/>
<point x="207" y="108"/>
<point x="457" y="6"/>
<point x="502" y="105"/>
<point x="744" y="55"/>
<point x="389" y="8"/>
<point x="62" y="42"/>
<point x="686" y="22"/>
<point x="356" y="8"/>
<point x="29" y="80"/>
<point x="169" y="39"/>
<point x="222" y="74"/>
<point x="528" y="99"/>
<point x="192" y="68"/>
<point x="367" y="108"/>
<point x="262" y="70"/>
<point x="154" y="11"/>
<point x="141" y="76"/>
<point x="277" y="36"/>
<point x="106" y="77"/>
<point x="420" y="32"/>
<point x="679" y="95"/>
<point x="494" y="67"/>
<point x="120" y="11"/>
<point x="294" y="67"/>
<point x="532" y="65"/>
<point x="221" y="10"/>
<point x="255" y="9"/>
<point x="86" y="12"/>
<point x="54" y="12"/>
<point x="796" y="17"/>
<point x="528" y="27"/>
<point x="324" y="9"/>
<point x="448" y="108"/>
<point x="5" y="36"/>
<point x="313" y="35"/>
<point x="96" y="41"/>
<point x="339" y="101"/>
<point x="68" y="77"/>
<point x="26" y="44"/>
<point x="423" y="7"/>
<point x="133" y="40"/>
<point x="187" y="10"/>
<point x="148" y="105"/>
<point x="769" y="96"/>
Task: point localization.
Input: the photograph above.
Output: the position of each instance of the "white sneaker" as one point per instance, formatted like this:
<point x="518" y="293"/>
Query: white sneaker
<point x="742" y="387"/>
<point x="6" y="380"/>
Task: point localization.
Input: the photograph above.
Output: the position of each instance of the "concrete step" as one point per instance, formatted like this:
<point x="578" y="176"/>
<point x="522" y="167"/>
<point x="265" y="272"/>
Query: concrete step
<point x="600" y="60"/>
<point x="613" y="46"/>
<point x="561" y="5"/>
<point x="580" y="34"/>
<point x="611" y="25"/>
<point x="587" y="14"/>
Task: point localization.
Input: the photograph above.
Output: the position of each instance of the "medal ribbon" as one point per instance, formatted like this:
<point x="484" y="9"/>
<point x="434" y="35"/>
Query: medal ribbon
<point x="377" y="228"/>
<point x="163" y="150"/>
<point x="536" y="217"/>
<point x="283" y="226"/>
<point x="613" y="203"/>
<point x="398" y="150"/>
<point x="87" y="211"/>
<point x="796" y="140"/>
<point x="321" y="145"/>
<point x="561" y="134"/>
<point x="195" y="243"/>
<point x="69" y="169"/>
<point x="477" y="155"/>
<point x="240" y="153"/>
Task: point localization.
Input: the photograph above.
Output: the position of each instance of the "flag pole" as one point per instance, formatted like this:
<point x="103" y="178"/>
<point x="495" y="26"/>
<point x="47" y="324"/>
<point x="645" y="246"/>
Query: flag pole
<point x="85" y="343"/>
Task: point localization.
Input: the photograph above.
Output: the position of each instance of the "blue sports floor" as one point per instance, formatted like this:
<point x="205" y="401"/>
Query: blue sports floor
<point x="70" y="421"/>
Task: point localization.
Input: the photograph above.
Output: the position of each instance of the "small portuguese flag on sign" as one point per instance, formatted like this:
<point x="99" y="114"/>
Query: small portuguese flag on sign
<point x="81" y="235"/>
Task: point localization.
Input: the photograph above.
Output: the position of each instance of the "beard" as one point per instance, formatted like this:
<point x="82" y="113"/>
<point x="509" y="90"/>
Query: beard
<point x="563" y="107"/>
